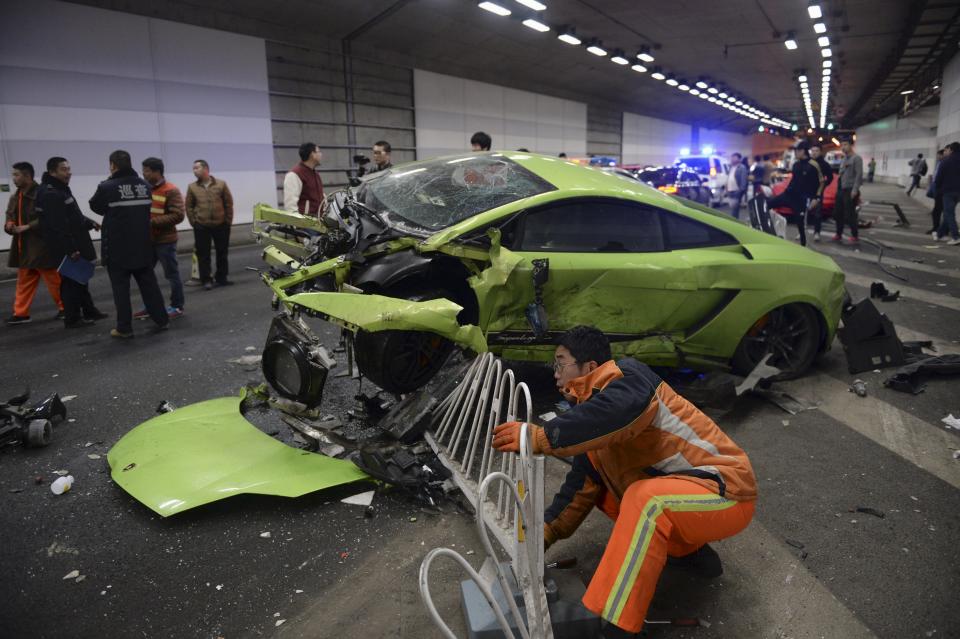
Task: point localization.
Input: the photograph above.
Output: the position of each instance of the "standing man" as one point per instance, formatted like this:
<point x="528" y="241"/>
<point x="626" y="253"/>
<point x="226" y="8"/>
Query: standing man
<point x="302" y="186"/>
<point x="937" y="209"/>
<point x="816" y="210"/>
<point x="803" y="189"/>
<point x="67" y="230"/>
<point x="480" y="141"/>
<point x="671" y="480"/>
<point x="736" y="184"/>
<point x="166" y="211"/>
<point x="29" y="253"/>
<point x="918" y="168"/>
<point x="849" y="179"/>
<point x="948" y="186"/>
<point x="381" y="156"/>
<point x="871" y="169"/>
<point x="124" y="202"/>
<point x="210" y="211"/>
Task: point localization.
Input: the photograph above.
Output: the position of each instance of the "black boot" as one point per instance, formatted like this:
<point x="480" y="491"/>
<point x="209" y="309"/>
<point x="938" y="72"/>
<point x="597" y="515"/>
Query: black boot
<point x="703" y="562"/>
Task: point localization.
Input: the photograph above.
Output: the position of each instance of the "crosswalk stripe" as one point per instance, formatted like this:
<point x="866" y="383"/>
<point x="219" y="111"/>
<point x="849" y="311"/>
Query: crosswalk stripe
<point x="938" y="299"/>
<point x="941" y="271"/>
<point x="923" y="444"/>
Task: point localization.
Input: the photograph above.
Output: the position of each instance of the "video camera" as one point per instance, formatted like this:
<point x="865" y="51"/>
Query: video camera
<point x="354" y="175"/>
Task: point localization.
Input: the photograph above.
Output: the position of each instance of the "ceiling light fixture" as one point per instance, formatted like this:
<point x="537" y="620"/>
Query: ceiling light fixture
<point x="644" y="54"/>
<point x="684" y="86"/>
<point x="568" y="36"/>
<point x="672" y="81"/>
<point x="694" y="91"/>
<point x="823" y="41"/>
<point x="819" y="27"/>
<point x="702" y="83"/>
<point x="656" y="75"/>
<point x="493" y="7"/>
<point x="722" y="95"/>
<point x="814" y="11"/>
<point x="790" y="43"/>
<point x="532" y="4"/>
<point x="639" y="68"/>
<point x="619" y="59"/>
<point x="826" y="52"/>
<point x="713" y="89"/>
<point x="827" y="64"/>
<point x="598" y="51"/>
<point x="536" y="26"/>
<point x="907" y="92"/>
<point x="802" y="78"/>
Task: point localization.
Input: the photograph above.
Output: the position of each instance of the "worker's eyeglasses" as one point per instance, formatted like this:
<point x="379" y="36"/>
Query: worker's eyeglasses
<point x="379" y="152"/>
<point x="557" y="366"/>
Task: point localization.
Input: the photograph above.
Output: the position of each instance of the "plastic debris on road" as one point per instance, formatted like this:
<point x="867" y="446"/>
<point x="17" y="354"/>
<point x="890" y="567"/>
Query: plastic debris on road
<point x="951" y="421"/>
<point x="361" y="499"/>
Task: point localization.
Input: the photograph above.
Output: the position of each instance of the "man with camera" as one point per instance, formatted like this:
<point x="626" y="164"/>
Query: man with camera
<point x="302" y="186"/>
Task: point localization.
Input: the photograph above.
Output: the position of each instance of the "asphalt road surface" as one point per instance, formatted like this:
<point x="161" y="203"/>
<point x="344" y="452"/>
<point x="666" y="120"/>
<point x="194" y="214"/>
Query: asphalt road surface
<point x="809" y="565"/>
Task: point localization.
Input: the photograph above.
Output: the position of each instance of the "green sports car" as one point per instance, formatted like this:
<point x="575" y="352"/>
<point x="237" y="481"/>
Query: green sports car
<point x="505" y="251"/>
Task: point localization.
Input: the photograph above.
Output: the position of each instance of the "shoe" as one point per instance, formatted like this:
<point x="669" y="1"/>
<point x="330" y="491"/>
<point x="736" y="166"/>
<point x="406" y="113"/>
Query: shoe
<point x="223" y="283"/>
<point x="934" y="235"/>
<point x="193" y="282"/>
<point x="61" y="315"/>
<point x="837" y="238"/>
<point x="610" y="631"/>
<point x="13" y="320"/>
<point x="954" y="242"/>
<point x="117" y="333"/>
<point x="208" y="286"/>
<point x="853" y="241"/>
<point x="141" y="314"/>
<point x="816" y="237"/>
<point x="95" y="315"/>
<point x="173" y="311"/>
<point x="159" y="328"/>
<point x="80" y="323"/>
<point x="704" y="562"/>
<point x="945" y="238"/>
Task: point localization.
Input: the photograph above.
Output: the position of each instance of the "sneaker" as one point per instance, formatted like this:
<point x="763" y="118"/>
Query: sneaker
<point x="223" y="283"/>
<point x="173" y="311"/>
<point x="945" y="238"/>
<point x="208" y="286"/>
<point x="934" y="235"/>
<point x="816" y="237"/>
<point x="837" y="238"/>
<point x="97" y="314"/>
<point x="853" y="241"/>
<point x="704" y="562"/>
<point x="118" y="333"/>
<point x="61" y="315"/>
<point x="80" y="323"/>
<point x="141" y="314"/>
<point x="193" y="282"/>
<point x="954" y="242"/>
<point x="13" y="320"/>
<point x="159" y="328"/>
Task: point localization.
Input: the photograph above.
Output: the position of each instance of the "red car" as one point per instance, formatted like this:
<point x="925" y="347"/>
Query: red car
<point x="829" y="197"/>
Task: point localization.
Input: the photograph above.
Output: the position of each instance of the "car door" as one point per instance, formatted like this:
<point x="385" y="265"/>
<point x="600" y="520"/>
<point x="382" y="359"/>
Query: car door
<point x="608" y="267"/>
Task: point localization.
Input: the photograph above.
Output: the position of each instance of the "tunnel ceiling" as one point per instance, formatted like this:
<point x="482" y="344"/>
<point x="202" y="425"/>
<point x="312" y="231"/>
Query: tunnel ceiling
<point x="878" y="45"/>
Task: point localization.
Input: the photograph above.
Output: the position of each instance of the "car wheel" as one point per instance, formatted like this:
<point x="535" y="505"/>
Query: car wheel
<point x="791" y="333"/>
<point x="402" y="361"/>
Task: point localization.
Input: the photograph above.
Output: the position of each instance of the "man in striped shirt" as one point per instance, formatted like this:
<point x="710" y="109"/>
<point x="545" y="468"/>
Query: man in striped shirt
<point x="671" y="480"/>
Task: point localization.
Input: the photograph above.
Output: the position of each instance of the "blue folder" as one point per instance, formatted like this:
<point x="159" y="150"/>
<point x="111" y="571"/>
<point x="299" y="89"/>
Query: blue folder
<point x="79" y="270"/>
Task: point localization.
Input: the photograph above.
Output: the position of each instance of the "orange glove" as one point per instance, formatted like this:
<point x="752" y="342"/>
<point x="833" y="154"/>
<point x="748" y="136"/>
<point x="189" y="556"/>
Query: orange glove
<point x="506" y="437"/>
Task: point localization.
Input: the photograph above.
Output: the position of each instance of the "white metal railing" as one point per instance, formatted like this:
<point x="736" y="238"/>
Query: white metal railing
<point x="487" y="396"/>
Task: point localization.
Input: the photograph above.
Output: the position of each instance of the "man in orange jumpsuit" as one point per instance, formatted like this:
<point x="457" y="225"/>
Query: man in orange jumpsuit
<point x="28" y="250"/>
<point x="662" y="470"/>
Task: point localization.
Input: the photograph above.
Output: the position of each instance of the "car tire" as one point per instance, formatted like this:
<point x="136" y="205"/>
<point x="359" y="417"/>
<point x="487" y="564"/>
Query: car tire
<point x="791" y="333"/>
<point x="402" y="361"/>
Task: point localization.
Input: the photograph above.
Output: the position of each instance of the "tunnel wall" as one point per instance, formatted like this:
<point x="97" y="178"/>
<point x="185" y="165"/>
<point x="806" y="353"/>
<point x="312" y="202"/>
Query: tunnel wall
<point x="80" y="82"/>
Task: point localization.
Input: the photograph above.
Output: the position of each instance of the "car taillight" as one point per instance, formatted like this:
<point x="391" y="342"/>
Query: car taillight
<point x="667" y="188"/>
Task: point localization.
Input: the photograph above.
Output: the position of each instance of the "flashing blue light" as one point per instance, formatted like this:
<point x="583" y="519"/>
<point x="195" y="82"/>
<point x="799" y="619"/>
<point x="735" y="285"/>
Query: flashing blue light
<point x="708" y="150"/>
<point x="685" y="151"/>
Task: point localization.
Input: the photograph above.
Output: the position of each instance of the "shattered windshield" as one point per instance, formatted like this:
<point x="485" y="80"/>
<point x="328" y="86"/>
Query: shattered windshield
<point x="442" y="192"/>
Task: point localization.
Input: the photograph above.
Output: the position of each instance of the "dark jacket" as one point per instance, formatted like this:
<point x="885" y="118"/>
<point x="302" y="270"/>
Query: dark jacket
<point x="124" y="202"/>
<point x="805" y="182"/>
<point x="827" y="172"/>
<point x="629" y="425"/>
<point x="28" y="250"/>
<point x="948" y="175"/>
<point x="63" y="224"/>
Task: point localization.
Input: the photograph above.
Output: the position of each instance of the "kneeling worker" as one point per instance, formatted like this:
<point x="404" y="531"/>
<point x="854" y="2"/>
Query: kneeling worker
<point x="662" y="470"/>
